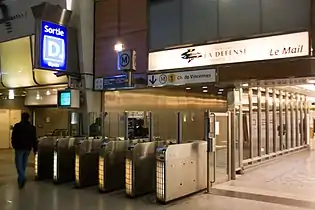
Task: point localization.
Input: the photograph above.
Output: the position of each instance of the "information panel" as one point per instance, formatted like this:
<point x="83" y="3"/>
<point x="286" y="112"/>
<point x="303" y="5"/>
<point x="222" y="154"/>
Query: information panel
<point x="53" y="46"/>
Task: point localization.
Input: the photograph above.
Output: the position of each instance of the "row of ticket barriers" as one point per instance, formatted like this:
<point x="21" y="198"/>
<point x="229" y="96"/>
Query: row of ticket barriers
<point x="140" y="166"/>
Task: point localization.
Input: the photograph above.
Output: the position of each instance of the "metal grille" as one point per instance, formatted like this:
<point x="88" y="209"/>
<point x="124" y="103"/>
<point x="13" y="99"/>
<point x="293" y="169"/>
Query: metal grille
<point x="55" y="166"/>
<point x="101" y="173"/>
<point x="160" y="180"/>
<point x="36" y="164"/>
<point x="128" y="176"/>
<point x="77" y="169"/>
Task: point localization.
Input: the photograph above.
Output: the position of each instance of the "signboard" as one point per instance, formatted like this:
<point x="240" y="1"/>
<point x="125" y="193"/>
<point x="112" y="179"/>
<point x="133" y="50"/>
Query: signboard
<point x="118" y="81"/>
<point x="256" y="49"/>
<point x="53" y="46"/>
<point x="279" y="82"/>
<point x="136" y="114"/>
<point x="126" y="60"/>
<point x="182" y="78"/>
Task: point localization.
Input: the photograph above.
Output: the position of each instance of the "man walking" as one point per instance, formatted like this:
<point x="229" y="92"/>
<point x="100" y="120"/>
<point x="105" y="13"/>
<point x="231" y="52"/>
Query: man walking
<point x="23" y="141"/>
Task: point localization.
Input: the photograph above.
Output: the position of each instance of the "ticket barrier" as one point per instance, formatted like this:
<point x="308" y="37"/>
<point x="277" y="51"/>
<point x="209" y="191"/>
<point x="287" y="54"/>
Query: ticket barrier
<point x="181" y="170"/>
<point x="64" y="159"/>
<point x="112" y="164"/>
<point x="86" y="162"/>
<point x="44" y="158"/>
<point x="140" y="168"/>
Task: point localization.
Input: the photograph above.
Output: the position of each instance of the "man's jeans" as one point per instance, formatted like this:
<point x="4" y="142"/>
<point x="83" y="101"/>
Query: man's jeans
<point x="21" y="161"/>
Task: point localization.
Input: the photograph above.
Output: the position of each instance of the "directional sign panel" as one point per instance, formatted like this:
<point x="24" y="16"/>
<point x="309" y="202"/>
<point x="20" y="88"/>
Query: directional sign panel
<point x="126" y="60"/>
<point x="182" y="78"/>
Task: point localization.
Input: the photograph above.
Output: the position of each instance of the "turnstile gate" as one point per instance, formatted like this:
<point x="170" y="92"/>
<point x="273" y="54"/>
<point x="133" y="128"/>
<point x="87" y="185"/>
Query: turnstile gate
<point x="112" y="164"/>
<point x="86" y="162"/>
<point x="180" y="170"/>
<point x="44" y="158"/>
<point x="140" y="168"/>
<point x="64" y="159"/>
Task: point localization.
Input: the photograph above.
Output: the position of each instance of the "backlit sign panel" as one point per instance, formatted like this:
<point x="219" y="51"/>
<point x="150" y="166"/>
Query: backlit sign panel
<point x="53" y="46"/>
<point x="255" y="49"/>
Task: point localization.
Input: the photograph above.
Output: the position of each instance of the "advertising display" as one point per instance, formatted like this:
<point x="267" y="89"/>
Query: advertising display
<point x="256" y="49"/>
<point x="53" y="46"/>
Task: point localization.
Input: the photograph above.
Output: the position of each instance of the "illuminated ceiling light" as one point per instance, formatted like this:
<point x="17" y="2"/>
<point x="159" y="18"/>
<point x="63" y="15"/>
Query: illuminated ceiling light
<point x="205" y="91"/>
<point x="219" y="93"/>
<point x="245" y="85"/>
<point x="48" y="93"/>
<point x="37" y="96"/>
<point x="204" y="87"/>
<point x="221" y="90"/>
<point x="119" y="47"/>
<point x="11" y="94"/>
<point x="188" y="88"/>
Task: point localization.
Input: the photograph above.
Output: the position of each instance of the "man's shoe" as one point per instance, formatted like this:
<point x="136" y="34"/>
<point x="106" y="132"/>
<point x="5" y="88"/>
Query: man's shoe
<point x="21" y="184"/>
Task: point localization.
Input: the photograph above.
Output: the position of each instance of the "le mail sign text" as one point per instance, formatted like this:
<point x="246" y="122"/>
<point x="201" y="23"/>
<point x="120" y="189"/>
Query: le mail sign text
<point x="53" y="46"/>
<point x="256" y="49"/>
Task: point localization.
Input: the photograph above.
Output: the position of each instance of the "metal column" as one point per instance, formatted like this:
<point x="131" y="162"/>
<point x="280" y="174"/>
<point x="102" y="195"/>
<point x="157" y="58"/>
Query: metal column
<point x="267" y="107"/>
<point x="281" y="120"/>
<point x="286" y="120"/>
<point x="297" y="116"/>
<point x="229" y="145"/>
<point x="301" y="120"/>
<point x="126" y="136"/>
<point x="259" y="146"/>
<point x="274" y="116"/>
<point x="250" y="105"/>
<point x="293" y="136"/>
<point x="151" y="128"/>
<point x="307" y="122"/>
<point x="240" y="130"/>
<point x="233" y="146"/>
<point x="179" y="128"/>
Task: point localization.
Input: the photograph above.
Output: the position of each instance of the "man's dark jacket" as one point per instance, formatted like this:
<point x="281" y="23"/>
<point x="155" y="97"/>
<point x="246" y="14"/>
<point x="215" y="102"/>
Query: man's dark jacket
<point x="24" y="136"/>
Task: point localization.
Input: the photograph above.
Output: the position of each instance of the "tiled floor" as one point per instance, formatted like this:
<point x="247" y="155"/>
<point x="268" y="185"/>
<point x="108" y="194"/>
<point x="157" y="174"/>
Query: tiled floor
<point x="46" y="196"/>
<point x="290" y="180"/>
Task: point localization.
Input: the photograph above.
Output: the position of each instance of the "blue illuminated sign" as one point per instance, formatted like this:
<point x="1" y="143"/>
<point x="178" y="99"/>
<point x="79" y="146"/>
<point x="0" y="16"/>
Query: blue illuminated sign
<point x="53" y="46"/>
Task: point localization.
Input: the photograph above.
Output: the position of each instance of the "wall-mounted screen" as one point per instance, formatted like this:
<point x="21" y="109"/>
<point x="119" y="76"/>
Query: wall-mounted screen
<point x="69" y="98"/>
<point x="65" y="98"/>
<point x="53" y="46"/>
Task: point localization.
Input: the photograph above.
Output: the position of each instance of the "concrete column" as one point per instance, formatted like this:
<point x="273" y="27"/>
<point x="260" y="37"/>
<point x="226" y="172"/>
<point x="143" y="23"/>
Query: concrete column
<point x="83" y="20"/>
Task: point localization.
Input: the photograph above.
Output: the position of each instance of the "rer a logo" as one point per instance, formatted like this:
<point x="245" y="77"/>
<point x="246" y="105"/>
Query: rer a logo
<point x="190" y="55"/>
<point x="53" y="46"/>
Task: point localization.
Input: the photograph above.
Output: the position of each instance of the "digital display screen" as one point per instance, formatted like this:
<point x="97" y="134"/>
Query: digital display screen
<point x="53" y="46"/>
<point x="65" y="99"/>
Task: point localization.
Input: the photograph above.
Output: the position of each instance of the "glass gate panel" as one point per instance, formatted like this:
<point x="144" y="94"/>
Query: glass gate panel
<point x="222" y="128"/>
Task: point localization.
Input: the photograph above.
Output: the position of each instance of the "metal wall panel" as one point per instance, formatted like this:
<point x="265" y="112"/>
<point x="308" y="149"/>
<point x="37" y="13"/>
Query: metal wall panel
<point x="177" y="22"/>
<point x="200" y="20"/>
<point x="164" y="104"/>
<point x="285" y="15"/>
<point x="239" y="18"/>
<point x="165" y="24"/>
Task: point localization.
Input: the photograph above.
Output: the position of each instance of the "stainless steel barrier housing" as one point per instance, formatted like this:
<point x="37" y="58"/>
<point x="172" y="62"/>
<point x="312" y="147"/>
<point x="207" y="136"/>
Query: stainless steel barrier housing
<point x="180" y="170"/>
<point x="86" y="162"/>
<point x="44" y="158"/>
<point x="141" y="168"/>
<point x="64" y="159"/>
<point x="112" y="164"/>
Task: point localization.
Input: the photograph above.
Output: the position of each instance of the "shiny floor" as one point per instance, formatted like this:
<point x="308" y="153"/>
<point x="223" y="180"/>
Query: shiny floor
<point x="288" y="180"/>
<point x="46" y="196"/>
